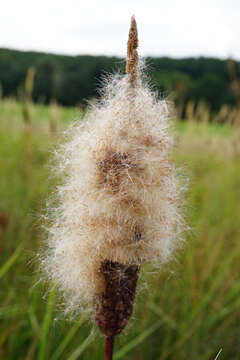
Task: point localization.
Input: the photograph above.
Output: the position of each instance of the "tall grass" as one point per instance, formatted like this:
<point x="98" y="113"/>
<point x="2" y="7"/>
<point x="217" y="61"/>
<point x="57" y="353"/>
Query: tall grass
<point x="191" y="313"/>
<point x="201" y="112"/>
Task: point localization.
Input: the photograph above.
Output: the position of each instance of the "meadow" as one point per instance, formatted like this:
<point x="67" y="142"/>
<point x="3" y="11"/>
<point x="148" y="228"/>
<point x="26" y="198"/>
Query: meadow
<point x="189" y="310"/>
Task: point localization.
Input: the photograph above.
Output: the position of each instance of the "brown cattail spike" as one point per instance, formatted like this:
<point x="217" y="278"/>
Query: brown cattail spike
<point x="132" y="54"/>
<point x="114" y="307"/>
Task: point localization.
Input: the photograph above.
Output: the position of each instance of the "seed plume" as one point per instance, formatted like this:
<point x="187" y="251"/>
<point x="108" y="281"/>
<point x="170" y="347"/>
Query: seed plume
<point x="119" y="201"/>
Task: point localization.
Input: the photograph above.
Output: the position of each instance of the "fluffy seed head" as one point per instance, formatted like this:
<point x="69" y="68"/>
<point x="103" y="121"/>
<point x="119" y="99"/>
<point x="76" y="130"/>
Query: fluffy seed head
<point x="119" y="197"/>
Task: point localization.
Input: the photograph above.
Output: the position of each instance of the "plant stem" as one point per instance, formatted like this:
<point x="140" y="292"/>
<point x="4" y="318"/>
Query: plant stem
<point x="108" y="351"/>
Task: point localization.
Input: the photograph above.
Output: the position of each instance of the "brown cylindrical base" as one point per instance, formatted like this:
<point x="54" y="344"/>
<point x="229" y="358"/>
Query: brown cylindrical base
<point x="114" y="306"/>
<point x="108" y="351"/>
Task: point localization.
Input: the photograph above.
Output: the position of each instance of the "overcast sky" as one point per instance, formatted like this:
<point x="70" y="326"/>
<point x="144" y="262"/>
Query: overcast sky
<point x="176" y="28"/>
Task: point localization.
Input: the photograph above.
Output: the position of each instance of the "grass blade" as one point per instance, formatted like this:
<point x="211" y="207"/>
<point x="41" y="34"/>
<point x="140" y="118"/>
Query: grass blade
<point x="7" y="265"/>
<point x="137" y="340"/>
<point x="46" y="325"/>
<point x="165" y="318"/>
<point x="67" y="339"/>
<point x="81" y="348"/>
<point x="9" y="311"/>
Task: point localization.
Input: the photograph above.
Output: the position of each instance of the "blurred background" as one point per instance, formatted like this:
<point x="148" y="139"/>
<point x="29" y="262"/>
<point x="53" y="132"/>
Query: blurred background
<point x="53" y="57"/>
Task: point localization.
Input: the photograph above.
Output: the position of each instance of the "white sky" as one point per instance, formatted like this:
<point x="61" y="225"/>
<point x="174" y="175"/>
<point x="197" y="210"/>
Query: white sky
<point x="176" y="28"/>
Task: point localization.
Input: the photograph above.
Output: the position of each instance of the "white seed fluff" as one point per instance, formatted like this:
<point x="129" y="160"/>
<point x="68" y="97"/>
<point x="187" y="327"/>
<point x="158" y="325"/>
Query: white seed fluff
<point x="119" y="197"/>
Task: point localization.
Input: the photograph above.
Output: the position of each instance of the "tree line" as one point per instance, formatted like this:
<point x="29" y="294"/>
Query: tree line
<point x="71" y="80"/>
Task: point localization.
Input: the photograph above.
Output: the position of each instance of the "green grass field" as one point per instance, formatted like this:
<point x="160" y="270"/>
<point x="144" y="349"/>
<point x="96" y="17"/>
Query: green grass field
<point x="189" y="310"/>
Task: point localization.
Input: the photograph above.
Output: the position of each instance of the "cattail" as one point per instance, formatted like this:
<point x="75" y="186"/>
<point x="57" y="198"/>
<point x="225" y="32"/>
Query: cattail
<point x="118" y="203"/>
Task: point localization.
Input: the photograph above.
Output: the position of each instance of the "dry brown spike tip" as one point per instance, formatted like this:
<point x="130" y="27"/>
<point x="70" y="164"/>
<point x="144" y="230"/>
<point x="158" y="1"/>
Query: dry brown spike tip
<point x="132" y="54"/>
